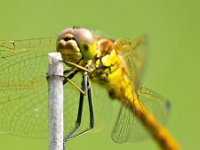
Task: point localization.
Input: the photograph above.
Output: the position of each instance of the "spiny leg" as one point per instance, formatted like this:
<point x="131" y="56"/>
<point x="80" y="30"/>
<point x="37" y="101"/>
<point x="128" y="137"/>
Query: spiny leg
<point x="85" y="84"/>
<point x="68" y="79"/>
<point x="91" y="108"/>
<point x="70" y="76"/>
<point x="80" y="109"/>
<point x="71" y="64"/>
<point x="91" y="114"/>
<point x="76" y="68"/>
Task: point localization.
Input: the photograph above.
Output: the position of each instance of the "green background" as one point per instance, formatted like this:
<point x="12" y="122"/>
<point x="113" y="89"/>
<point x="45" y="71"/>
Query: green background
<point x="173" y="65"/>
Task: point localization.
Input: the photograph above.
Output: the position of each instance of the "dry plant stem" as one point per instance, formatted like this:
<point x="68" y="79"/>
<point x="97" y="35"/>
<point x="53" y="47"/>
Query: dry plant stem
<point x="55" y="85"/>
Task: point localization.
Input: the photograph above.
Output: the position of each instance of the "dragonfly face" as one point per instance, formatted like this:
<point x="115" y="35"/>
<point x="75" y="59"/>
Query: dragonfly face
<point x="76" y="44"/>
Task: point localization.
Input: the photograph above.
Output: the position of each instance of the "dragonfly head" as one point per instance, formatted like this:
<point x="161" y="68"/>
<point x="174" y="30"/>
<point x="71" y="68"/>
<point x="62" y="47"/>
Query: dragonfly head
<point x="76" y="44"/>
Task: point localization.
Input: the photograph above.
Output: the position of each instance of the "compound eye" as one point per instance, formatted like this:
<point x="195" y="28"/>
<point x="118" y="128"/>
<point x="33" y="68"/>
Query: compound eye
<point x="84" y="35"/>
<point x="86" y="42"/>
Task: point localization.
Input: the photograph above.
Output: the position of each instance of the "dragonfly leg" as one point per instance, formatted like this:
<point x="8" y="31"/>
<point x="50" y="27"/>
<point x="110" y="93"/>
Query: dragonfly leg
<point x="68" y="79"/>
<point x="90" y="107"/>
<point x="76" y="66"/>
<point x="85" y="84"/>
<point x="79" y="116"/>
<point x="70" y="76"/>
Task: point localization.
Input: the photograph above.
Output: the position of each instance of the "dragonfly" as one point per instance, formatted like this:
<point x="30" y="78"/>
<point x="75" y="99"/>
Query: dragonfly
<point x="114" y="66"/>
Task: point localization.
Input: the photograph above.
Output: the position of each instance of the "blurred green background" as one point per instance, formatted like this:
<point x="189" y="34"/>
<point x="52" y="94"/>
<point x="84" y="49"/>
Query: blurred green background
<point x="173" y="64"/>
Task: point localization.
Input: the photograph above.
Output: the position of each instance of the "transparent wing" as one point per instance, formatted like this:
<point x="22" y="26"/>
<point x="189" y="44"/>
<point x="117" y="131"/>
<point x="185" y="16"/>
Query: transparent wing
<point x="23" y="89"/>
<point x="133" y="53"/>
<point x="128" y="128"/>
<point x="23" y="86"/>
